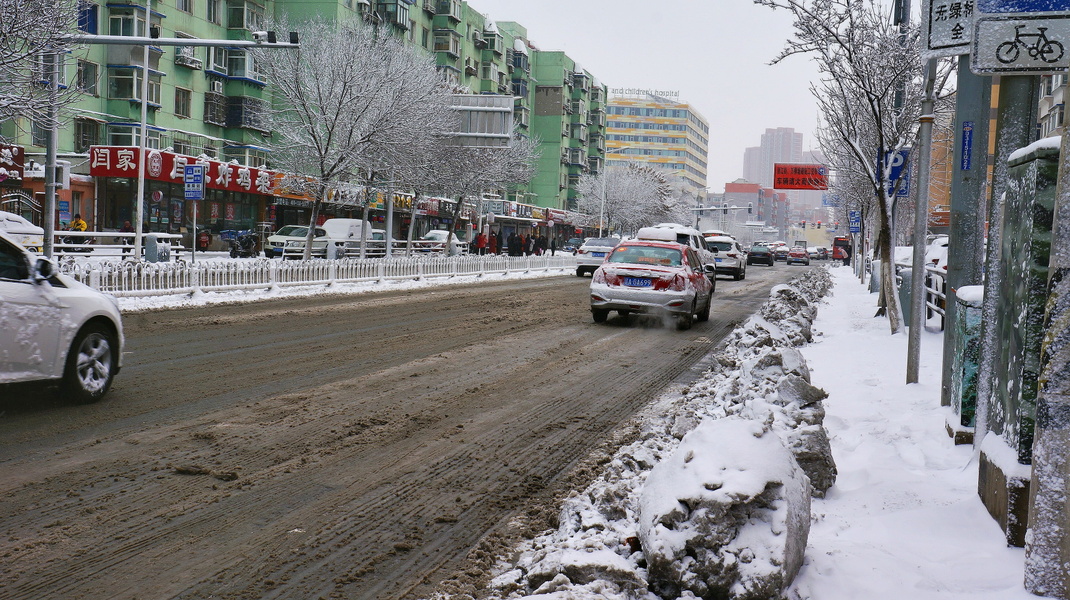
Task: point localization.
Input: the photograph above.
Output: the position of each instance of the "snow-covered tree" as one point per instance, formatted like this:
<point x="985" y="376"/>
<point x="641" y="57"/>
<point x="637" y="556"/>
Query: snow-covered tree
<point x="461" y="172"/>
<point x="33" y="34"/>
<point x="630" y="197"/>
<point x="869" y="97"/>
<point x="351" y="100"/>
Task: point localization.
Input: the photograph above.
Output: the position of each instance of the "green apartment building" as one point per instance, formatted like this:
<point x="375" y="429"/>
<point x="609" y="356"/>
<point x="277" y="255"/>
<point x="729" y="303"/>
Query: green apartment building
<point x="205" y="106"/>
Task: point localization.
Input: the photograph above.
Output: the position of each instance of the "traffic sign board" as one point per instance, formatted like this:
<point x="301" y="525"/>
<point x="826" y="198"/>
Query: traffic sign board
<point x="194" y="179"/>
<point x="854" y="219"/>
<point x="948" y="27"/>
<point x="1022" y="6"/>
<point x="1021" y="36"/>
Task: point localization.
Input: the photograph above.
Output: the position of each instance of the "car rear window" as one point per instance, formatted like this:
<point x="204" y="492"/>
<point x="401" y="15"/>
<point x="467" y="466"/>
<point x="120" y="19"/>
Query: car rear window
<point x="646" y="255"/>
<point x="720" y="246"/>
<point x="602" y="242"/>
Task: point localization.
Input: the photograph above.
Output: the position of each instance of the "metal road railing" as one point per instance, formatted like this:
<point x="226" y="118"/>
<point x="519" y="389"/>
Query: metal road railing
<point x="136" y="278"/>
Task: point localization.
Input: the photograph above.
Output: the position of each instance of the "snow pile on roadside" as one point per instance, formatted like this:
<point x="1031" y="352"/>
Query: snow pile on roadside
<point x="760" y="378"/>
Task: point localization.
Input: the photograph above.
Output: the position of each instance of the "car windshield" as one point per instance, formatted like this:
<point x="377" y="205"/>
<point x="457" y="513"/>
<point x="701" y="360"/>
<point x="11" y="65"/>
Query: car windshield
<point x="292" y="230"/>
<point x="611" y="242"/>
<point x="646" y="255"/>
<point x="435" y="236"/>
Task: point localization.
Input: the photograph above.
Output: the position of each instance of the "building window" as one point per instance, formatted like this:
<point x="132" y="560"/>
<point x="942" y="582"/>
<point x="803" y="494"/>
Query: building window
<point x="38" y="134"/>
<point x="242" y="14"/>
<point x="125" y="84"/>
<point x="86" y="134"/>
<point x="184" y="5"/>
<point x="130" y="135"/>
<point x="88" y="76"/>
<point x="217" y="60"/>
<point x="45" y="64"/>
<point x="127" y="22"/>
<point x="214" y="11"/>
<point x="241" y="64"/>
<point x="183" y="102"/>
<point x="88" y="17"/>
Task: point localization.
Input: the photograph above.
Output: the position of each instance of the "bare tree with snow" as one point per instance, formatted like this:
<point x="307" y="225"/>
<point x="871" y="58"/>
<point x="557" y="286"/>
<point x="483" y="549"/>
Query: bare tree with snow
<point x="34" y="34"/>
<point x="461" y="172"/>
<point x="869" y="97"/>
<point x="630" y="197"/>
<point x="352" y="99"/>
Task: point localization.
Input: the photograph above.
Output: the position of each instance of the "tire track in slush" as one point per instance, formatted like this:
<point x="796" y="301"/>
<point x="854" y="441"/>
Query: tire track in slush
<point x="377" y="484"/>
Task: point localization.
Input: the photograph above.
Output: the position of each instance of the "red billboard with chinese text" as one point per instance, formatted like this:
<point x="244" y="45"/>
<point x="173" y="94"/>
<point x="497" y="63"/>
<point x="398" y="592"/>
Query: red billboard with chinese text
<point x="121" y="161"/>
<point x="791" y="176"/>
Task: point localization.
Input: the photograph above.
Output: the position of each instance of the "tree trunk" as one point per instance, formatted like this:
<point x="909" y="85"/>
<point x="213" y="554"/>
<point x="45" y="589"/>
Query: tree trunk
<point x="312" y="226"/>
<point x="888" y="289"/>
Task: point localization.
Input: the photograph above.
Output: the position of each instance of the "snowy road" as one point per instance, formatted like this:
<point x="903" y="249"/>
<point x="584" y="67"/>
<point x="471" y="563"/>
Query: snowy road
<point x="365" y="446"/>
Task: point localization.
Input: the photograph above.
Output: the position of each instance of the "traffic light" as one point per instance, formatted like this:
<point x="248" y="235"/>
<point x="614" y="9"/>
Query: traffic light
<point x="819" y="224"/>
<point x="802" y="224"/>
<point x="750" y="208"/>
<point x="726" y="208"/>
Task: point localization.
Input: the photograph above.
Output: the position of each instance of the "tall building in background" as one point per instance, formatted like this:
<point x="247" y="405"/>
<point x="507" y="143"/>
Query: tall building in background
<point x="780" y="145"/>
<point x="652" y="129"/>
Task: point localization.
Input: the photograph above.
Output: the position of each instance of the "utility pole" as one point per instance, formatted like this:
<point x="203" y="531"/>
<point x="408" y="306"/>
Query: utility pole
<point x="966" y="252"/>
<point x="921" y="206"/>
<point x="49" y="220"/>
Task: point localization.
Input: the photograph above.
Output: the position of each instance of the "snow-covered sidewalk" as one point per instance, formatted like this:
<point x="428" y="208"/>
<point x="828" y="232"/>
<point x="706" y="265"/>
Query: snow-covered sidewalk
<point x="904" y="519"/>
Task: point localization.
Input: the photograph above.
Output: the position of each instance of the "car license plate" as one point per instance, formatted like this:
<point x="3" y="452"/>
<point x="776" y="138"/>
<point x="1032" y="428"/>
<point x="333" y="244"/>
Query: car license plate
<point x="637" y="282"/>
<point x="718" y="259"/>
<point x="598" y="254"/>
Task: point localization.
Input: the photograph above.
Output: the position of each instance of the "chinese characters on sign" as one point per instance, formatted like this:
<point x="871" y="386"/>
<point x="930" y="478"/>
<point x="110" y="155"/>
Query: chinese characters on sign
<point x="948" y="27"/>
<point x="788" y="176"/>
<point x="118" y="161"/>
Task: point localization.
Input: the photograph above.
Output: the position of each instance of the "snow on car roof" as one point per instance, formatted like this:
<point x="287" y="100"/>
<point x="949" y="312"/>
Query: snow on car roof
<point x="659" y="234"/>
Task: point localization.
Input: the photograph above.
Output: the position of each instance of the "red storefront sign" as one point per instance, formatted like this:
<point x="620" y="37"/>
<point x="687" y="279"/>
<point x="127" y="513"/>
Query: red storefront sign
<point x="788" y="176"/>
<point x="12" y="162"/>
<point x="121" y="161"/>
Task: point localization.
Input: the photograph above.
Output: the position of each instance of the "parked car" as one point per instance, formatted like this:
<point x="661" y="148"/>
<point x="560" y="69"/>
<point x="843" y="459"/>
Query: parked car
<point x="760" y="255"/>
<point x="572" y="245"/>
<point x="340" y="235"/>
<point x="592" y="253"/>
<point x="57" y="330"/>
<point x="798" y="255"/>
<point x="435" y="241"/>
<point x="731" y="258"/>
<point x="822" y="253"/>
<point x="27" y="234"/>
<point x="276" y="243"/>
<point x="657" y="277"/>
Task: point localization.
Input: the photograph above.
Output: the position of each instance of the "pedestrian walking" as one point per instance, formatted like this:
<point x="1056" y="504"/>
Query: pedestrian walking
<point x="481" y="244"/>
<point x="553" y="246"/>
<point x="492" y="243"/>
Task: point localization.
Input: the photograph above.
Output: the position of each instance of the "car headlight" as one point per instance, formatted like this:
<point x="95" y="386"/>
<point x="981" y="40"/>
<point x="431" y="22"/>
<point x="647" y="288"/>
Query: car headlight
<point x="294" y="244"/>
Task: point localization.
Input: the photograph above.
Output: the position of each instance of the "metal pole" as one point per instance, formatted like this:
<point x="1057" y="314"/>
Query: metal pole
<point x="51" y="142"/>
<point x="966" y="251"/>
<point x="390" y="219"/>
<point x="139" y="208"/>
<point x="921" y="206"/>
<point x="602" y="207"/>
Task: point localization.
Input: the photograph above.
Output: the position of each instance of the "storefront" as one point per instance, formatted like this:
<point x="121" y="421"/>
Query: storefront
<point x="236" y="197"/>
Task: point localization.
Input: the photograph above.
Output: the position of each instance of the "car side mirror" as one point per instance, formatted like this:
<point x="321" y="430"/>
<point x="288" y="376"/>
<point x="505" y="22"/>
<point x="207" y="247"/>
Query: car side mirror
<point x="709" y="268"/>
<point x="43" y="269"/>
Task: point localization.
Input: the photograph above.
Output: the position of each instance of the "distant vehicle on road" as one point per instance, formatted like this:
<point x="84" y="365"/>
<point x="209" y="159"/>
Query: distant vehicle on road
<point x="798" y="255"/>
<point x="592" y="253"/>
<point x="760" y="255"/>
<point x="731" y="258"/>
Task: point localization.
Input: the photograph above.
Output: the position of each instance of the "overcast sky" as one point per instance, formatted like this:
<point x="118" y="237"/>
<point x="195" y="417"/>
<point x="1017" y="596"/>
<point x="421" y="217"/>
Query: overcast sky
<point x="715" y="52"/>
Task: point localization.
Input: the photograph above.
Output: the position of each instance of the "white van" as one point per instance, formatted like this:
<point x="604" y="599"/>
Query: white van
<point x="342" y="239"/>
<point x="27" y="234"/>
<point x="688" y="236"/>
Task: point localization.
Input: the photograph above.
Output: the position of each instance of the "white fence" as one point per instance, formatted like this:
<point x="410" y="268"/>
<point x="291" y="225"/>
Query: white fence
<point x="134" y="278"/>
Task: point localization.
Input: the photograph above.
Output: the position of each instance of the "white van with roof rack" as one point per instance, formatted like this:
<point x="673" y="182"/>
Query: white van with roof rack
<point x="688" y="236"/>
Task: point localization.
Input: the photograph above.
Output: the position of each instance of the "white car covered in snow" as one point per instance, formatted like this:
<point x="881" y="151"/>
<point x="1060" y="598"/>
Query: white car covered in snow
<point x="54" y="329"/>
<point x="24" y="232"/>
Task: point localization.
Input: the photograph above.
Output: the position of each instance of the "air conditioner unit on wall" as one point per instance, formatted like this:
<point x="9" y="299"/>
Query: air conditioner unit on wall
<point x="217" y="86"/>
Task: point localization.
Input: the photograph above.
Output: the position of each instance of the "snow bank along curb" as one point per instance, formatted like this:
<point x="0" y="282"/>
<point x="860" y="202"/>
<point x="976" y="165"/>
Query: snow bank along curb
<point x="710" y="501"/>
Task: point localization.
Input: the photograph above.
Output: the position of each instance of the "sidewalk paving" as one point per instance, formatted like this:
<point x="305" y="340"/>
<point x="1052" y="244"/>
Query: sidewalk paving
<point x="904" y="519"/>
